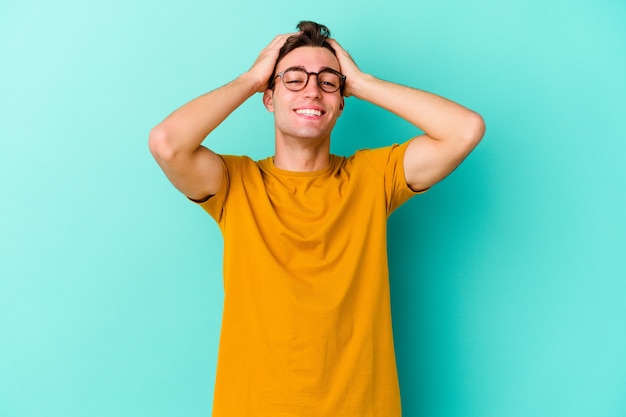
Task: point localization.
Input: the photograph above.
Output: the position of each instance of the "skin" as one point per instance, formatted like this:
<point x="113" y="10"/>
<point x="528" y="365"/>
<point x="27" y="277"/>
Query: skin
<point x="302" y="143"/>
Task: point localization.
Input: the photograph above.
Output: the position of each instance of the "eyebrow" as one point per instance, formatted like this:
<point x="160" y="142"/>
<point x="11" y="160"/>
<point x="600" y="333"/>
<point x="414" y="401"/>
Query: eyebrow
<point x="301" y="67"/>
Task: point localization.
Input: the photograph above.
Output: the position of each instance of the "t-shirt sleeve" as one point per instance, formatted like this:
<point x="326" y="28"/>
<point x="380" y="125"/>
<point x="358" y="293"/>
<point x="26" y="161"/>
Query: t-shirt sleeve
<point x="215" y="204"/>
<point x="389" y="161"/>
<point x="396" y="187"/>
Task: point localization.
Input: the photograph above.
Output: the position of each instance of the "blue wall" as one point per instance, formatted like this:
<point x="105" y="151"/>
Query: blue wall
<point x="508" y="277"/>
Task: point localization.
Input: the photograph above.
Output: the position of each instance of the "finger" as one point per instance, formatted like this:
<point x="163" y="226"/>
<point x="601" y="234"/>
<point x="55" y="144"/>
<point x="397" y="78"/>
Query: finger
<point x="336" y="46"/>
<point x="279" y="40"/>
<point x="265" y="62"/>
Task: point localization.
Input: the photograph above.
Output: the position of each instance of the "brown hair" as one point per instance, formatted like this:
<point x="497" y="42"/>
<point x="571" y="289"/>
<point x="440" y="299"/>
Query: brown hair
<point x="311" y="34"/>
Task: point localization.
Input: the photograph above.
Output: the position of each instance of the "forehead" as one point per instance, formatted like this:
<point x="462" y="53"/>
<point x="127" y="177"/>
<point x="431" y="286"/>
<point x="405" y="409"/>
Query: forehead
<point x="311" y="58"/>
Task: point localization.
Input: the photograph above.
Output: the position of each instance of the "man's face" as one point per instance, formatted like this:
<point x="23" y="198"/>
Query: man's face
<point x="308" y="114"/>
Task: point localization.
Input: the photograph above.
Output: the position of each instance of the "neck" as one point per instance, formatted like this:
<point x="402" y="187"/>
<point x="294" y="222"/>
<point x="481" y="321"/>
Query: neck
<point x="300" y="156"/>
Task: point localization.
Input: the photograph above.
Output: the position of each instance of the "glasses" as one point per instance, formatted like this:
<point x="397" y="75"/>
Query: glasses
<point x="329" y="80"/>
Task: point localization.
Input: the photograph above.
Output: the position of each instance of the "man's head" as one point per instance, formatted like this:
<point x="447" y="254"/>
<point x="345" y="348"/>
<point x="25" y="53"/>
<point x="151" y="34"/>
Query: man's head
<point x="310" y="34"/>
<point x="308" y="99"/>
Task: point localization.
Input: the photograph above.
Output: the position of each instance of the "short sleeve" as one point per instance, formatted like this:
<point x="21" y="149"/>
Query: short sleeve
<point x="389" y="162"/>
<point x="215" y="204"/>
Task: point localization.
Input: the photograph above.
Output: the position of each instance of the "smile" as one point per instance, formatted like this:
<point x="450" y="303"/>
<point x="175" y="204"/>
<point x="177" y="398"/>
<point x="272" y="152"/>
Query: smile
<point x="309" y="112"/>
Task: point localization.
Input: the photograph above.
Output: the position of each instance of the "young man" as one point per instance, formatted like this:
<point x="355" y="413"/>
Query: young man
<point x="306" y="325"/>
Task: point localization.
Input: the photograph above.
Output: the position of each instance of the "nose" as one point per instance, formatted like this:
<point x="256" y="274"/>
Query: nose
<point x="312" y="88"/>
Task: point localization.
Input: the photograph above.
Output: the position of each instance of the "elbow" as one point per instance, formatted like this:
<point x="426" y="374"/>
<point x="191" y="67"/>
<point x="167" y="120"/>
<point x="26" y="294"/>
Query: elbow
<point x="160" y="144"/>
<point x="474" y="130"/>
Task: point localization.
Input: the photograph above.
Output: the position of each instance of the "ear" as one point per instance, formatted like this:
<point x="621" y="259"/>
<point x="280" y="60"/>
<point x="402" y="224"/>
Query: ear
<point x="341" y="106"/>
<point x="268" y="100"/>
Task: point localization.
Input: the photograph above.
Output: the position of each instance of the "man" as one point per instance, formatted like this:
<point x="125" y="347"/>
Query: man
<point x="306" y="325"/>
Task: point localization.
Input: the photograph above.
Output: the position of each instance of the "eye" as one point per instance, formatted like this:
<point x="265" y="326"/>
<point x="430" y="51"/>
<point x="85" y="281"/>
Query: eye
<point x="329" y="80"/>
<point x="294" y="79"/>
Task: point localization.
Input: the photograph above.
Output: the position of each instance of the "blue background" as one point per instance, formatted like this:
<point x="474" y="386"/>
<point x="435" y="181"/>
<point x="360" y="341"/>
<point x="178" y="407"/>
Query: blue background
<point x="508" y="278"/>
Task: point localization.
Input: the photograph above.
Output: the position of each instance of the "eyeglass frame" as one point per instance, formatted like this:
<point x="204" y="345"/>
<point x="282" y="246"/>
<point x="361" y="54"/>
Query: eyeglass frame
<point x="342" y="78"/>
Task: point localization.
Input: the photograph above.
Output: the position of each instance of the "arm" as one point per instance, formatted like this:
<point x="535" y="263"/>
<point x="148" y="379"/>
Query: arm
<point x="176" y="142"/>
<point x="450" y="130"/>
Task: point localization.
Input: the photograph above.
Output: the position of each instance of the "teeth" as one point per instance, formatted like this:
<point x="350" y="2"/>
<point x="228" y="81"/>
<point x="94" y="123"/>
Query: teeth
<point x="309" y="112"/>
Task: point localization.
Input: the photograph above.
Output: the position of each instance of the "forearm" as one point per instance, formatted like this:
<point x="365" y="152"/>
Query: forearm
<point x="437" y="117"/>
<point x="186" y="128"/>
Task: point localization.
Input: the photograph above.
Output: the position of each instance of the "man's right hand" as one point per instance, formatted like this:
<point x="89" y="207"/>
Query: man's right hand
<point x="262" y="69"/>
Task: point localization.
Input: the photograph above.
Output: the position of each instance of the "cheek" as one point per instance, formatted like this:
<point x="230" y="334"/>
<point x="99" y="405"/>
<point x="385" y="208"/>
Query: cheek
<point x="339" y="108"/>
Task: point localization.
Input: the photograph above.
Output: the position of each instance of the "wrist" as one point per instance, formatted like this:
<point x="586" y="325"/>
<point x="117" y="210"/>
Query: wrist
<point x="357" y="85"/>
<point x="254" y="82"/>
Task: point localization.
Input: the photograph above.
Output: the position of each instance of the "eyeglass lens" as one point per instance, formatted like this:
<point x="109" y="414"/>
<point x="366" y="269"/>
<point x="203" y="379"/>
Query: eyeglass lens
<point x="296" y="79"/>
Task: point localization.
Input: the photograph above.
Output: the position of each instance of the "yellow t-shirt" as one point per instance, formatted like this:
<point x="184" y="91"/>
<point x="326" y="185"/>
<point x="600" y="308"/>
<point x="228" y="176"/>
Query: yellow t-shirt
<point x="306" y="327"/>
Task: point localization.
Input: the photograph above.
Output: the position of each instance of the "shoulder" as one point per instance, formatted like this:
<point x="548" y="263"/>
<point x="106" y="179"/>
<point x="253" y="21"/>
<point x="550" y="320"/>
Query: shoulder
<point x="240" y="163"/>
<point x="237" y="160"/>
<point x="381" y="158"/>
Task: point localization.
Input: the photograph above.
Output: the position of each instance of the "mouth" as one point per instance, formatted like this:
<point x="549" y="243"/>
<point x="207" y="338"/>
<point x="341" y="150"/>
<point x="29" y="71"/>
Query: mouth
<point x="310" y="112"/>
